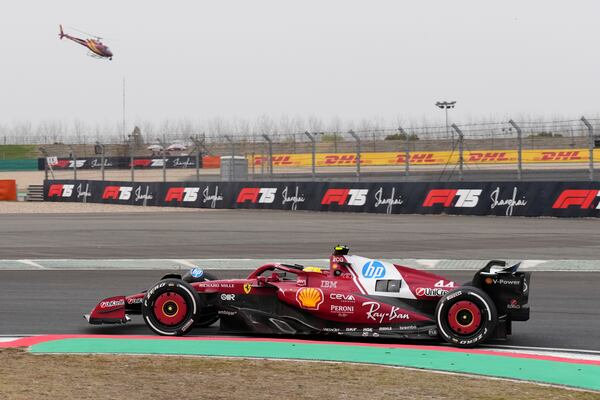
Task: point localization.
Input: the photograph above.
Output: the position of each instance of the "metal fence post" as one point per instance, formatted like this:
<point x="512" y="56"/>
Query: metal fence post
<point x="270" y="145"/>
<point x="45" y="154"/>
<point x="460" y="151"/>
<point x="231" y="166"/>
<point x="198" y="158"/>
<point x="74" y="161"/>
<point x="591" y="145"/>
<point x="102" y="149"/>
<point x="314" y="151"/>
<point x="355" y="136"/>
<point x="164" y="159"/>
<point x="197" y="144"/>
<point x="519" y="150"/>
<point x="132" y="166"/>
<point x="406" y="152"/>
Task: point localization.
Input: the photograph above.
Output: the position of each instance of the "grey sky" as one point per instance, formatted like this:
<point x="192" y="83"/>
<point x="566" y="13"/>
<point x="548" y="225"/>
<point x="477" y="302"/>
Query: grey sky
<point x="199" y="59"/>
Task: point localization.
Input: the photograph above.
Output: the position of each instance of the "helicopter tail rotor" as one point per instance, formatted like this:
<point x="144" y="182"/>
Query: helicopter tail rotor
<point x="61" y="34"/>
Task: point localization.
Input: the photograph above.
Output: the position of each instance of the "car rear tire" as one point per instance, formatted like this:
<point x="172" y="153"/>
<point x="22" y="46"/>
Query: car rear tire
<point x="171" y="307"/>
<point x="466" y="317"/>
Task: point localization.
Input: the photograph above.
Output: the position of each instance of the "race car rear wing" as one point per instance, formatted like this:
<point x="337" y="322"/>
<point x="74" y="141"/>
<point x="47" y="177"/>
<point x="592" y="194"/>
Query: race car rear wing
<point x="508" y="288"/>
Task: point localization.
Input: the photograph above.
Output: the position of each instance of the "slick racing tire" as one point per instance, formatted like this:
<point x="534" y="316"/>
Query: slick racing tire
<point x="466" y="317"/>
<point x="171" y="307"/>
<point x="207" y="315"/>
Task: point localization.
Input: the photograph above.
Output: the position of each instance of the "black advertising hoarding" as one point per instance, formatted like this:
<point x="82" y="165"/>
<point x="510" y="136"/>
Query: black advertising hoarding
<point x="122" y="162"/>
<point x="527" y="199"/>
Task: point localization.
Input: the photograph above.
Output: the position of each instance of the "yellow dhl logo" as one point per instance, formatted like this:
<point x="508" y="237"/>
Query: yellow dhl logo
<point x="428" y="158"/>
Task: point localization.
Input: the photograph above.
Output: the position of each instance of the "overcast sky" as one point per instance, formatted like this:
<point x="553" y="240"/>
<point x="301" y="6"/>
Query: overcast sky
<point x="350" y="59"/>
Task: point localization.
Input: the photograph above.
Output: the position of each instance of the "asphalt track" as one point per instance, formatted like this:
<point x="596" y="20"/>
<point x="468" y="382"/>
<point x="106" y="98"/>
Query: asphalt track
<point x="301" y="234"/>
<point x="565" y="307"/>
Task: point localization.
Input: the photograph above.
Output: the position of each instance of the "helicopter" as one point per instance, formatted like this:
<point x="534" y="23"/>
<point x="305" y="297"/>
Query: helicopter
<point x="95" y="46"/>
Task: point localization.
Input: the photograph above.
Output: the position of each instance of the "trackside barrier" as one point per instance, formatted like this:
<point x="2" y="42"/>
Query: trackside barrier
<point x="527" y="199"/>
<point x="122" y="162"/>
<point x="8" y="190"/>
<point x="340" y="159"/>
<point x="428" y="158"/>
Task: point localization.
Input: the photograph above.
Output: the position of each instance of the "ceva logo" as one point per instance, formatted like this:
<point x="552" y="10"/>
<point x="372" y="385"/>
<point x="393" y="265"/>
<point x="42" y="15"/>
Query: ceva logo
<point x="373" y="269"/>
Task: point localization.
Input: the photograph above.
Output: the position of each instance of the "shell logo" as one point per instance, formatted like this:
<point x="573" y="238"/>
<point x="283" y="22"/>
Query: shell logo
<point x="309" y="298"/>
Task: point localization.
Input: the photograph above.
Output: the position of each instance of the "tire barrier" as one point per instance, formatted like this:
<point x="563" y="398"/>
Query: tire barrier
<point x="524" y="199"/>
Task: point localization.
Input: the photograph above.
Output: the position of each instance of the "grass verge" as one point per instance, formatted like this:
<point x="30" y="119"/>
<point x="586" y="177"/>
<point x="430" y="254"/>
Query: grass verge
<point x="17" y="151"/>
<point x="27" y="376"/>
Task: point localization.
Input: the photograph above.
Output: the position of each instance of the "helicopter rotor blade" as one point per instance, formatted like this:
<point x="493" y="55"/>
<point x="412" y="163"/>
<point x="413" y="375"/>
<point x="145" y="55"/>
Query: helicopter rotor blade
<point x="85" y="33"/>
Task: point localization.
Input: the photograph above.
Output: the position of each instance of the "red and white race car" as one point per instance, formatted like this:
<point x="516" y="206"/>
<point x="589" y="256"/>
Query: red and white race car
<point x="356" y="296"/>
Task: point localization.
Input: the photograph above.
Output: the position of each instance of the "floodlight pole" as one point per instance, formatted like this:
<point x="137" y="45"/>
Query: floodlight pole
<point x="445" y="105"/>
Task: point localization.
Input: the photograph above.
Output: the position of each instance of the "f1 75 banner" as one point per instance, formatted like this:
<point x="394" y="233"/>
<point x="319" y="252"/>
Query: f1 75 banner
<point x="527" y="199"/>
<point x="121" y="162"/>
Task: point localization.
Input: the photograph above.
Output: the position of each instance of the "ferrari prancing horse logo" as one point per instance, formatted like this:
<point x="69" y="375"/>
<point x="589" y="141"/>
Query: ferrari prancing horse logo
<point x="247" y="288"/>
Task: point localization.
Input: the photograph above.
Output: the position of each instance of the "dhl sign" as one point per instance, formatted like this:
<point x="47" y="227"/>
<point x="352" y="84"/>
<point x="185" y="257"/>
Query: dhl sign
<point x="428" y="158"/>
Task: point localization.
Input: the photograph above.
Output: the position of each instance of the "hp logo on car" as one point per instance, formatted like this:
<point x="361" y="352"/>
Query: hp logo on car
<point x="197" y="272"/>
<point x="373" y="269"/>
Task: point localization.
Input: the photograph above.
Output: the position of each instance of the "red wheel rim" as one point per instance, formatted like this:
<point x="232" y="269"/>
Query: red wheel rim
<point x="170" y="308"/>
<point x="464" y="317"/>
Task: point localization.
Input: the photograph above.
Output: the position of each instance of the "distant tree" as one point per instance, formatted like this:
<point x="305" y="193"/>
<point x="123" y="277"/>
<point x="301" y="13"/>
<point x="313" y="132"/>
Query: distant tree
<point x="402" y="136"/>
<point x="545" y="134"/>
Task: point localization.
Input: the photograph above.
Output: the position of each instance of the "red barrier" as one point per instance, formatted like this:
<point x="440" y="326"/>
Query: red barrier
<point x="211" y="162"/>
<point x="8" y="190"/>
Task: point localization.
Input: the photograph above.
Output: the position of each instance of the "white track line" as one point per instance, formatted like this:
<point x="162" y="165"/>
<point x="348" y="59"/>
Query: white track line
<point x="185" y="262"/>
<point x="548" y="349"/>
<point x="5" y="339"/>
<point x="31" y="263"/>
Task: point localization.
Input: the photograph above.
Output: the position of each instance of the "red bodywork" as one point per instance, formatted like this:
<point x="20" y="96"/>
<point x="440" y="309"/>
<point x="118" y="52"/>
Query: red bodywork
<point x="356" y="296"/>
<point x="336" y="294"/>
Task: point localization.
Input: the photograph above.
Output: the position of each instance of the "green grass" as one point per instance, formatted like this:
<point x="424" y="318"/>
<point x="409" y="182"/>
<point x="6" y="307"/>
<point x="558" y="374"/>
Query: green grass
<point x="17" y="151"/>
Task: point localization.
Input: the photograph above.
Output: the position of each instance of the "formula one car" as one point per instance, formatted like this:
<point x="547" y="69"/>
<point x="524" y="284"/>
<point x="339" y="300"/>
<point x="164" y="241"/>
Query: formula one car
<point x="356" y="296"/>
